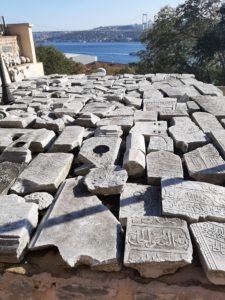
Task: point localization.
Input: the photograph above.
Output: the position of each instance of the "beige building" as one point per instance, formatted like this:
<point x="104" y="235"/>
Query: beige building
<point x="18" y="50"/>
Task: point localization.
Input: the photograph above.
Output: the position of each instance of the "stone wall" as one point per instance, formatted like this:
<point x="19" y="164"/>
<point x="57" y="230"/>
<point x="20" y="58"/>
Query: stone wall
<point x="9" y="46"/>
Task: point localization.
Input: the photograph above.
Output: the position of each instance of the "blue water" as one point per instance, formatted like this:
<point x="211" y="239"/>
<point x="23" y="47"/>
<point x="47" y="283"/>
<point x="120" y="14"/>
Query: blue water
<point x="106" y="52"/>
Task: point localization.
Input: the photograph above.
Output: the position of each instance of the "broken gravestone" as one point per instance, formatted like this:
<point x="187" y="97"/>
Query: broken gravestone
<point x="192" y="200"/>
<point x="17" y="220"/>
<point x="108" y="180"/>
<point x="157" y="246"/>
<point x="210" y="244"/>
<point x="44" y="174"/>
<point x="205" y="164"/>
<point x="78" y="224"/>
<point x="186" y="135"/>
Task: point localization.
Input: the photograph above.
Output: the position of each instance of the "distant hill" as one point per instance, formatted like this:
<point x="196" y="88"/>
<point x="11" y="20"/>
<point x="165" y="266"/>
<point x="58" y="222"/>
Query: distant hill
<point x="123" y="33"/>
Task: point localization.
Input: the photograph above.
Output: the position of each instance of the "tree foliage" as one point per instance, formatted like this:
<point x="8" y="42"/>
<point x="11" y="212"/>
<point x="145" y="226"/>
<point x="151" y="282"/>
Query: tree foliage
<point x="187" y="39"/>
<point x="55" y="61"/>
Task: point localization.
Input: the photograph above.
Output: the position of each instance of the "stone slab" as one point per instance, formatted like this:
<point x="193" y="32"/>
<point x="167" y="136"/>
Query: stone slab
<point x="150" y="128"/>
<point x="78" y="224"/>
<point x="138" y="200"/>
<point x="100" y="151"/>
<point x="44" y="174"/>
<point x="17" y="220"/>
<point x="106" y="181"/>
<point x="209" y="238"/>
<point x="205" y="164"/>
<point x="163" y="164"/>
<point x="212" y="105"/>
<point x="70" y="138"/>
<point x="157" y="246"/>
<point x="218" y="139"/>
<point x="186" y="135"/>
<point x="193" y="201"/>
<point x="206" y="122"/>
<point x="160" y="143"/>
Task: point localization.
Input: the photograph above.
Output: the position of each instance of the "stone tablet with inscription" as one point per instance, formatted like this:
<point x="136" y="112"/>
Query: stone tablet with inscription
<point x="157" y="246"/>
<point x="205" y="164"/>
<point x="159" y="104"/>
<point x="193" y="200"/>
<point x="186" y="135"/>
<point x="163" y="164"/>
<point x="209" y="238"/>
<point x="138" y="200"/>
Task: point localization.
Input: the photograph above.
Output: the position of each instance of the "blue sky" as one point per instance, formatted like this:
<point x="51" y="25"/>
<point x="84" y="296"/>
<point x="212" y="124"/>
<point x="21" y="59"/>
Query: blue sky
<point x="80" y="14"/>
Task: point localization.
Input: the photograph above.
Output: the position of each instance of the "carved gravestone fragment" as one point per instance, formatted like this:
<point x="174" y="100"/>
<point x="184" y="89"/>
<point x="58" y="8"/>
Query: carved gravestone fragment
<point x="157" y="246"/>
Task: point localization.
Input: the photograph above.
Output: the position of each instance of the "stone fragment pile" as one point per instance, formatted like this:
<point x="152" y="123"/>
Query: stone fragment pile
<point x="90" y="161"/>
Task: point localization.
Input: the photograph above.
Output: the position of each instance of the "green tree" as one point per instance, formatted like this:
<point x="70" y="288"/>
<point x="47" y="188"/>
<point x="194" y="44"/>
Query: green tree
<point x="55" y="61"/>
<point x="173" y="43"/>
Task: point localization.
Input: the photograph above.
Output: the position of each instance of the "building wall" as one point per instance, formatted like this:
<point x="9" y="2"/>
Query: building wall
<point x="9" y="46"/>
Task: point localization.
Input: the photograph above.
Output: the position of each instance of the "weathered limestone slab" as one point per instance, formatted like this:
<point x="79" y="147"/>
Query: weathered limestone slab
<point x="182" y="93"/>
<point x="34" y="141"/>
<point x="205" y="164"/>
<point x="163" y="164"/>
<point x="212" y="105"/>
<point x="42" y="199"/>
<point x="70" y="138"/>
<point x="192" y="107"/>
<point x="99" y="108"/>
<point x="160" y="143"/>
<point x="87" y="120"/>
<point x="100" y="151"/>
<point x="110" y="130"/>
<point x="44" y="174"/>
<point x="123" y="111"/>
<point x="207" y="89"/>
<point x="60" y="112"/>
<point x="206" y="122"/>
<point x="159" y="104"/>
<point x="107" y="180"/>
<point x="78" y="224"/>
<point x="134" y="158"/>
<point x="186" y="135"/>
<point x="138" y="200"/>
<point x="133" y="101"/>
<point x="12" y="121"/>
<point x="8" y="174"/>
<point x="218" y="139"/>
<point x="209" y="238"/>
<point x="145" y="116"/>
<point x="167" y="115"/>
<point x="157" y="246"/>
<point x="193" y="201"/>
<point x="125" y="122"/>
<point x="149" y="128"/>
<point x="17" y="220"/>
<point x="56" y="125"/>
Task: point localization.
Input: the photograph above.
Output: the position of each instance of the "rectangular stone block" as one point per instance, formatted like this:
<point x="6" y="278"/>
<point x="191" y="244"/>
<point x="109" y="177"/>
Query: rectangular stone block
<point x="193" y="200"/>
<point x="205" y="164"/>
<point x="186" y="135"/>
<point x="70" y="138"/>
<point x="206" y="122"/>
<point x="163" y="164"/>
<point x="44" y="174"/>
<point x="157" y="246"/>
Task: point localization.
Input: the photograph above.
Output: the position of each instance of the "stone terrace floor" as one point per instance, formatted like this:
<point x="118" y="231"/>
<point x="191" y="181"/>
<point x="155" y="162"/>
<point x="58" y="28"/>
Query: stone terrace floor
<point x="123" y="174"/>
